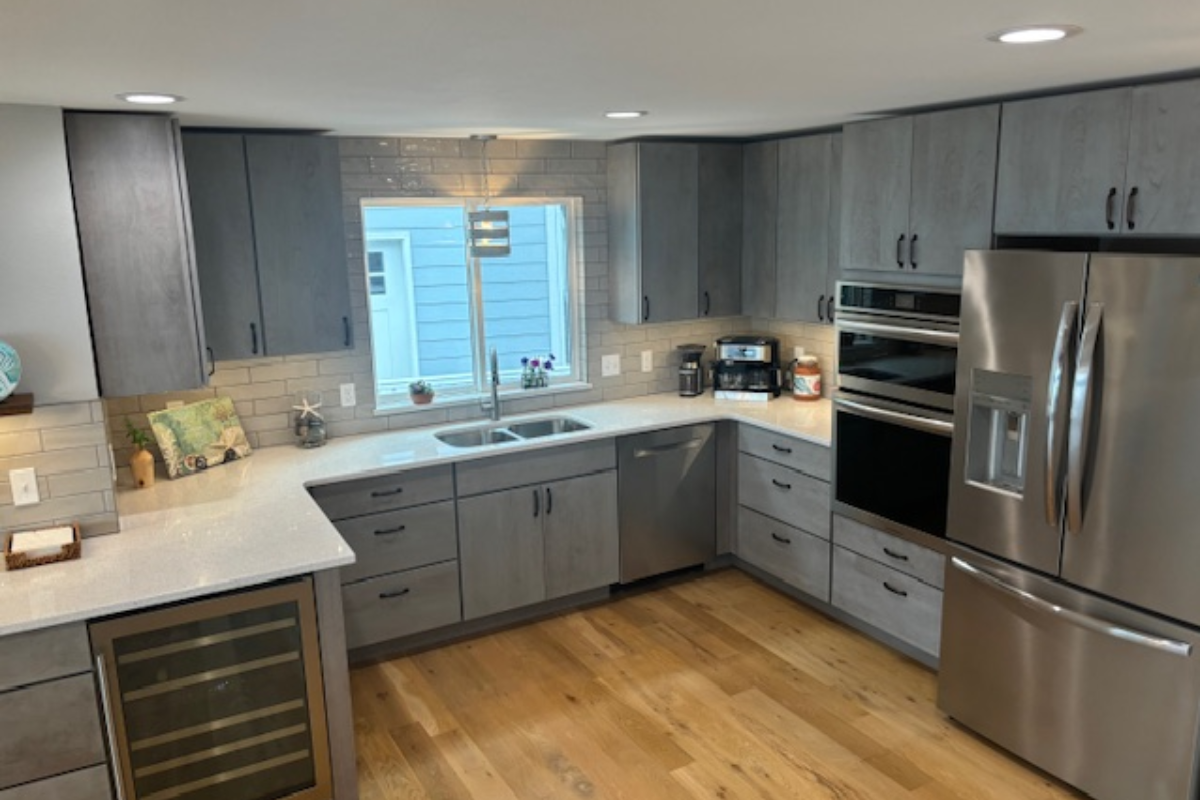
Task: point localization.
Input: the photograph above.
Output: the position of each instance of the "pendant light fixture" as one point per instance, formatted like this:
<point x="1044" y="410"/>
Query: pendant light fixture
<point x="487" y="230"/>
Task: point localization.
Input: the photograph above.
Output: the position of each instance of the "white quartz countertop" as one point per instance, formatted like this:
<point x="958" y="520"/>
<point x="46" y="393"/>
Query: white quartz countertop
<point x="252" y="521"/>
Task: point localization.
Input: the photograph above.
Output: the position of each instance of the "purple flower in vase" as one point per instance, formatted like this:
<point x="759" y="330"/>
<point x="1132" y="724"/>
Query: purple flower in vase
<point x="535" y="363"/>
<point x="524" y="361"/>
<point x="549" y="364"/>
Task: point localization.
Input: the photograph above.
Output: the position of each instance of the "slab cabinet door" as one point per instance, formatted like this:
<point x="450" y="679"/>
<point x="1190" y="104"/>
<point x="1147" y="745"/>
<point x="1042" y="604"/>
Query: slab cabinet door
<point x="296" y="197"/>
<point x="953" y="187"/>
<point x="1162" y="183"/>
<point x="668" y="208"/>
<point x="802" y="241"/>
<point x="224" y="233"/>
<point x="876" y="188"/>
<point x="136" y="243"/>
<point x="500" y="549"/>
<point x="760" y="200"/>
<point x="1061" y="160"/>
<point x="581" y="539"/>
<point x="720" y="235"/>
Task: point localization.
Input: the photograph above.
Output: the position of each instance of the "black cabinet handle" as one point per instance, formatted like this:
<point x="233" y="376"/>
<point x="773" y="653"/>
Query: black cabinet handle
<point x="897" y="556"/>
<point x="900" y="251"/>
<point x="781" y="485"/>
<point x="254" y="338"/>
<point x="390" y="531"/>
<point x="549" y="501"/>
<point x="387" y="492"/>
<point x="645" y="308"/>
<point x="781" y="449"/>
<point x="821" y="308"/>
<point x="346" y="330"/>
<point x="707" y="304"/>
<point x="780" y="539"/>
<point x="212" y="362"/>
<point x="1130" y="208"/>
<point x="829" y="308"/>
<point x="894" y="590"/>
<point x="912" y="251"/>
<point x="390" y="595"/>
<point x="1109" y="207"/>
<point x="537" y="503"/>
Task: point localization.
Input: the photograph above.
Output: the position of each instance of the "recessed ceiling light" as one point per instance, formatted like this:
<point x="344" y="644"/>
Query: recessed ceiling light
<point x="625" y="114"/>
<point x="149" y="98"/>
<point x="1035" y="34"/>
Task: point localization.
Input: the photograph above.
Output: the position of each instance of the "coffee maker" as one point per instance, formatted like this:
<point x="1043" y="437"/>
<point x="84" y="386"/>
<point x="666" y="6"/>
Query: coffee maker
<point x="691" y="373"/>
<point x="747" y="364"/>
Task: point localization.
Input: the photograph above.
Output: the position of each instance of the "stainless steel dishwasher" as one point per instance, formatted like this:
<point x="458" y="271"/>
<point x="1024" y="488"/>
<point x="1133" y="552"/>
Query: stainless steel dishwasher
<point x="667" y="486"/>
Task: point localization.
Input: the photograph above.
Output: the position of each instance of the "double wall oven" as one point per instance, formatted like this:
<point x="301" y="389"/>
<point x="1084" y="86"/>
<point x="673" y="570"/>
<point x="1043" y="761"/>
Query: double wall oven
<point x="894" y="405"/>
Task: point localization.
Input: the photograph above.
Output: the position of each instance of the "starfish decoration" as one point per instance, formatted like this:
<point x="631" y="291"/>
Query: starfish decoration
<point x="307" y="409"/>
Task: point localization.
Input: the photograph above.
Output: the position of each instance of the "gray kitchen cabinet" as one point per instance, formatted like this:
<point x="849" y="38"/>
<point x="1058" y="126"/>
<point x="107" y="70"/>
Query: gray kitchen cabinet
<point x="760" y="211"/>
<point x="501" y="551"/>
<point x="580" y="534"/>
<point x="805" y="253"/>
<point x="1162" y="181"/>
<point x="85" y="784"/>
<point x="917" y="191"/>
<point x="1062" y="163"/>
<point x="270" y="246"/>
<point x="399" y="604"/>
<point x="135" y="240"/>
<point x="720" y="234"/>
<point x="796" y="557"/>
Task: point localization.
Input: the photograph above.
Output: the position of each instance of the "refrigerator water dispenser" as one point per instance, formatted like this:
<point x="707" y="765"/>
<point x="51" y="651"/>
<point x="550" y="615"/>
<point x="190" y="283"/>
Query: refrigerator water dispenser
<point x="999" y="432"/>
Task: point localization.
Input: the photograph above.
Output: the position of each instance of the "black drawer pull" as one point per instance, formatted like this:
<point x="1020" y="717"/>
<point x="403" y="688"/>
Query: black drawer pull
<point x="390" y="531"/>
<point x="393" y="595"/>
<point x="897" y="556"/>
<point x="346" y="337"/>
<point x="1131" y="208"/>
<point x="894" y="590"/>
<point x="912" y="251"/>
<point x="900" y="251"/>
<point x="537" y="502"/>
<point x="549" y="501"/>
<point x="785" y="450"/>
<point x="1109" y="203"/>
<point x="782" y="485"/>
<point x="821" y="308"/>
<point x="780" y="539"/>
<point x="212" y="362"/>
<point x="387" y="492"/>
<point x="253" y="339"/>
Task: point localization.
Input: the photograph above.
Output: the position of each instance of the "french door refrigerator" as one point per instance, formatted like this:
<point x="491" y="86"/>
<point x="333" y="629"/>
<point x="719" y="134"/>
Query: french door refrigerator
<point x="1071" y="621"/>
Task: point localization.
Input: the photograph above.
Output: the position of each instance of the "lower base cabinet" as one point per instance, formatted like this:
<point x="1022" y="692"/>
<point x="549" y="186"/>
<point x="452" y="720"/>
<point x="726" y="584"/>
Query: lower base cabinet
<point x="797" y="558"/>
<point x="85" y="784"/>
<point x="401" y="603"/>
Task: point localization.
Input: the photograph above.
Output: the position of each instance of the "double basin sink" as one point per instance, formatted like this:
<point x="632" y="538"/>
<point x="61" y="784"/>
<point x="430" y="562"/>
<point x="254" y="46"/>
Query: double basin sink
<point x="512" y="432"/>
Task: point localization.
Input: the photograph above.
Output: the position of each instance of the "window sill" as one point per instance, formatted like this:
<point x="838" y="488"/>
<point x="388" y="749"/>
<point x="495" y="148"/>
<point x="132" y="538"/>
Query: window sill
<point x="407" y="406"/>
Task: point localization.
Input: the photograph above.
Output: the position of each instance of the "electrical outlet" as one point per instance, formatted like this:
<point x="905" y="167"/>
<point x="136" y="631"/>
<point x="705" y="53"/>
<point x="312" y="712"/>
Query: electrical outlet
<point x="347" y="392"/>
<point x="647" y="360"/>
<point x="610" y="366"/>
<point x="24" y="486"/>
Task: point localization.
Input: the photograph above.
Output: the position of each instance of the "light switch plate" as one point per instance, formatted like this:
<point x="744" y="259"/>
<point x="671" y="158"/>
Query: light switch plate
<point x="647" y="360"/>
<point x="347" y="395"/>
<point x="610" y="366"/>
<point x="24" y="486"/>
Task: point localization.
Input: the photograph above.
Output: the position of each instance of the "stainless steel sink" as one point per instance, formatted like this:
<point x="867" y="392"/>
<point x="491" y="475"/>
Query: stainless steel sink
<point x="549" y="426"/>
<point x="475" y="437"/>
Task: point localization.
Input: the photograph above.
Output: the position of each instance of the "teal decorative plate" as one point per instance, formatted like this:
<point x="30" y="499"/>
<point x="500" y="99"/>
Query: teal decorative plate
<point x="10" y="370"/>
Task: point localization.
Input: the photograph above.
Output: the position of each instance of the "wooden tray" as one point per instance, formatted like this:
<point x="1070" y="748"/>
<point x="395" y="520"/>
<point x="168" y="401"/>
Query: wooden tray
<point x="21" y="561"/>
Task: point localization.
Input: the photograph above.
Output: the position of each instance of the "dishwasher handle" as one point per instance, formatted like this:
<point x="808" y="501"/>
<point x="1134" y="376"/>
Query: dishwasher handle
<point x="663" y="449"/>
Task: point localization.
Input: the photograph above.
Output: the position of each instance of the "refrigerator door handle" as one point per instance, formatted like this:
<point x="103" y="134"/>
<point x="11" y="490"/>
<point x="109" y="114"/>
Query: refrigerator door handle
<point x="1081" y="416"/>
<point x="1060" y="364"/>
<point x="1168" y="646"/>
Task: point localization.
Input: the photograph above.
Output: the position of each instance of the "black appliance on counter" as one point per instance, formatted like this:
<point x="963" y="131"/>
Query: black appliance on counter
<point x="691" y="372"/>
<point x="747" y="364"/>
<point x="897" y="349"/>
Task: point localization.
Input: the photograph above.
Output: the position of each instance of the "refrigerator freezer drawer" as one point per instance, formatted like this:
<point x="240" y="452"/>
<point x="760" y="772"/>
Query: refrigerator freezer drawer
<point x="1105" y="698"/>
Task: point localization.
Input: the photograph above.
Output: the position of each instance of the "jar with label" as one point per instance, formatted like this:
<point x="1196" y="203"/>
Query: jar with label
<point x="806" y="379"/>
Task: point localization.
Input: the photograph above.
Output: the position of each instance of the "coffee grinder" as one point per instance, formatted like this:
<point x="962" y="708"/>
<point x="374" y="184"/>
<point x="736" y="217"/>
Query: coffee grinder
<point x="691" y="373"/>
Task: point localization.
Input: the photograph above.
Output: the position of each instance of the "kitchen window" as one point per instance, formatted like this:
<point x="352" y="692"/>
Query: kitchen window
<point x="436" y="311"/>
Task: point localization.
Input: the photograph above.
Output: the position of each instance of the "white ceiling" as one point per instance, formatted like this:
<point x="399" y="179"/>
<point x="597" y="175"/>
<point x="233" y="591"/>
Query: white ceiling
<point x="549" y="68"/>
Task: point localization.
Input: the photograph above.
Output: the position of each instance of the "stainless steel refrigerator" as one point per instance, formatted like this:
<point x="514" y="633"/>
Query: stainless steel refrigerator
<point x="1071" y="621"/>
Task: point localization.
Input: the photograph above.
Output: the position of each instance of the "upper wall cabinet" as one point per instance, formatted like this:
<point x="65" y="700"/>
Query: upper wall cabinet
<point x="806" y="232"/>
<point x="918" y="191"/>
<point x="270" y="246"/>
<point x="136" y="242"/>
<point x="760" y="211"/>
<point x="1100" y="163"/>
<point x="674" y="230"/>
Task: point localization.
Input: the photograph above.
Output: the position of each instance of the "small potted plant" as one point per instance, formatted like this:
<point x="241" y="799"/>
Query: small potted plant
<point x="141" y="463"/>
<point x="535" y="371"/>
<point x="421" y="392"/>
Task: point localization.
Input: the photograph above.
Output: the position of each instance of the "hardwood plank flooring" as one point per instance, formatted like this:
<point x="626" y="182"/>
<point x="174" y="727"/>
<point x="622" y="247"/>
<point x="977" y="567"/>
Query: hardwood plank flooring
<point x="716" y="688"/>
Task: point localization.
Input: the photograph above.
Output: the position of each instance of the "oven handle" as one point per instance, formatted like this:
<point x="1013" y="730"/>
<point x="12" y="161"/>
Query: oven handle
<point x="914" y="421"/>
<point x="948" y="338"/>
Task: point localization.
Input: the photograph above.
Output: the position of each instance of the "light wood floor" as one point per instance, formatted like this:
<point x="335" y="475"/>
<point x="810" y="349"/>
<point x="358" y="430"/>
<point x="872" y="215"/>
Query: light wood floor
<point x="715" y="688"/>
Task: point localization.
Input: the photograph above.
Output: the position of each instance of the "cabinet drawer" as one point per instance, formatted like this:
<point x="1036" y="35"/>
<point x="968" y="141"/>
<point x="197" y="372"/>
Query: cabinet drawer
<point x="397" y="605"/>
<point x="785" y="494"/>
<point x="797" y="558"/>
<point x="893" y="602"/>
<point x="398" y="540"/>
<point x="43" y="655"/>
<point x="385" y="493"/>
<point x="525" y="469"/>
<point x="49" y="729"/>
<point x="808" y="457"/>
<point x="911" y="559"/>
<point x="85" y="784"/>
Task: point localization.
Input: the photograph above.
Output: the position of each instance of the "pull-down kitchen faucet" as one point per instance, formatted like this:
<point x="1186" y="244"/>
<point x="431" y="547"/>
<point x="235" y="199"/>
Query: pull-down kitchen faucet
<point x="495" y="380"/>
